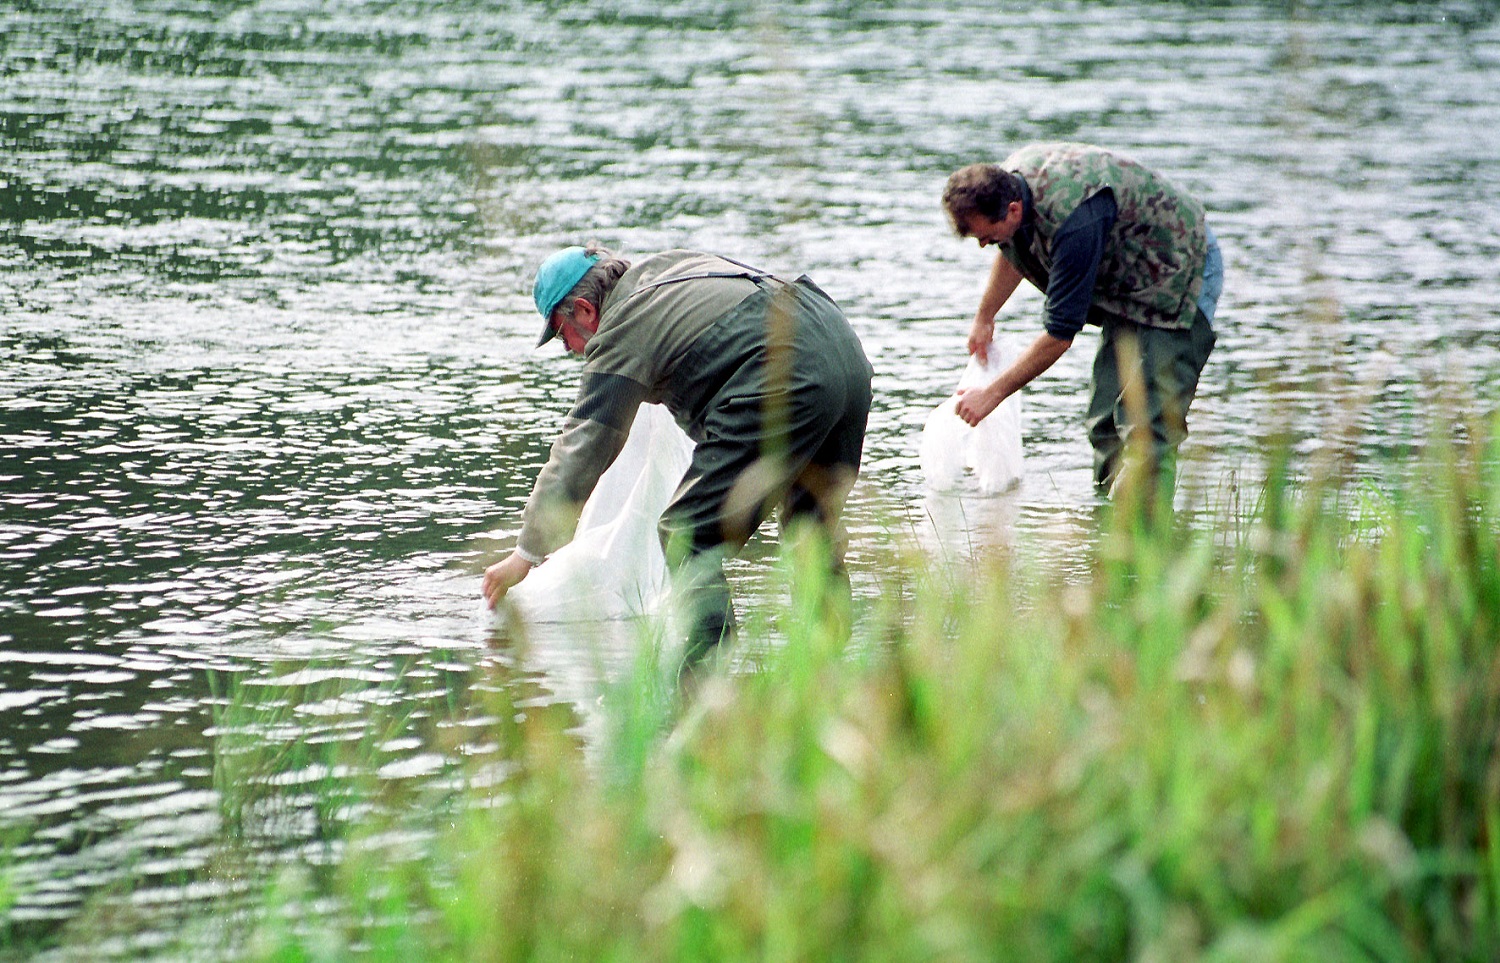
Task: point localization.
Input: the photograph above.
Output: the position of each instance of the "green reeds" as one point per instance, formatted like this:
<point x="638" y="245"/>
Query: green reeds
<point x="1275" y="746"/>
<point x="302" y="748"/>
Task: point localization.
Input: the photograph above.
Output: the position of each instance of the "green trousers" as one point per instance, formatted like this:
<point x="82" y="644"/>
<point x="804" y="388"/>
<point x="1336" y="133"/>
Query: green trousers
<point x="775" y="396"/>
<point x="1144" y="379"/>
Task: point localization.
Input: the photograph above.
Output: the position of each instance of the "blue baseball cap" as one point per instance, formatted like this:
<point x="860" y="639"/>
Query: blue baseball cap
<point x="554" y="279"/>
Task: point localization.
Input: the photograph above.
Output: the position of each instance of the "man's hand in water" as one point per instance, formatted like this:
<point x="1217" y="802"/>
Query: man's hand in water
<point x="503" y="576"/>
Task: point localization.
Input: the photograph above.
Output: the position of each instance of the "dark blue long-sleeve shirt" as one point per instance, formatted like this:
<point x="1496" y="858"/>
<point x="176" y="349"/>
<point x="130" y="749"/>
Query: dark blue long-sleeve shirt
<point x="1077" y="249"/>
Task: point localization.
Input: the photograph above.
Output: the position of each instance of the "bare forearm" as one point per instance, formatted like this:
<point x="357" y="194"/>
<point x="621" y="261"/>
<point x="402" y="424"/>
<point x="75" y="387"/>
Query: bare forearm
<point x="997" y="290"/>
<point x="1040" y="355"/>
<point x="1002" y="283"/>
<point x="975" y="403"/>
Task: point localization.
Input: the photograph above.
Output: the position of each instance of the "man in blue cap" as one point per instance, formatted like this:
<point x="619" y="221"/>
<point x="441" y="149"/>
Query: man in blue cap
<point x="765" y="375"/>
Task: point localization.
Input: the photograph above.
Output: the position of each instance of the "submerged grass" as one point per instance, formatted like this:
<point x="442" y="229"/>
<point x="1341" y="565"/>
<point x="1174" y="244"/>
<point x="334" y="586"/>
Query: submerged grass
<point x="1275" y="746"/>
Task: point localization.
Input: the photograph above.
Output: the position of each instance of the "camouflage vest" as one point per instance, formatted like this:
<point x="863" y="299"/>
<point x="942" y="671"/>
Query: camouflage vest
<point x="1152" y="268"/>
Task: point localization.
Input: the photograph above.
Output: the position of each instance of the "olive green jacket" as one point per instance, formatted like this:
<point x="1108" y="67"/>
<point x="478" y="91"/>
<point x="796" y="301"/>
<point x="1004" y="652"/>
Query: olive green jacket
<point x="648" y="325"/>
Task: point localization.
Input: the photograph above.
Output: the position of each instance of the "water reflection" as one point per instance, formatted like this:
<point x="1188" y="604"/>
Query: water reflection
<point x="966" y="530"/>
<point x="267" y="394"/>
<point x="573" y="664"/>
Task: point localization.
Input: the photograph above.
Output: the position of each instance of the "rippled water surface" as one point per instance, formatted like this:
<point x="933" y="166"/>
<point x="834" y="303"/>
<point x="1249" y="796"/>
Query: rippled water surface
<point x="268" y="401"/>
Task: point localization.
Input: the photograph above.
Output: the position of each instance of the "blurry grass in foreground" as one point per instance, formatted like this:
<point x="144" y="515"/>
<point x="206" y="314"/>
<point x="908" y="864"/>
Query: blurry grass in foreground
<point x="1281" y="748"/>
<point x="1273" y="741"/>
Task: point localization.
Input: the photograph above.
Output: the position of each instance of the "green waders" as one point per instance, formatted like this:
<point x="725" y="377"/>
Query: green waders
<point x="777" y="406"/>
<point x="1144" y="380"/>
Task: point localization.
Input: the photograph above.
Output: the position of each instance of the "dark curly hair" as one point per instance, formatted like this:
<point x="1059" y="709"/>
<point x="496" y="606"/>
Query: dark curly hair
<point x="984" y="189"/>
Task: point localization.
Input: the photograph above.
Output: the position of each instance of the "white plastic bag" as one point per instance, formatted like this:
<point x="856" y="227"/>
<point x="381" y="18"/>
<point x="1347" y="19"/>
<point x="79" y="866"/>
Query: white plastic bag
<point x="991" y="449"/>
<point x="614" y="567"/>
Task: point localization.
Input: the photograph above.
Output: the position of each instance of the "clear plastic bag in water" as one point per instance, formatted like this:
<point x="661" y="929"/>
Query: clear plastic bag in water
<point x="614" y="567"/>
<point x="990" y="451"/>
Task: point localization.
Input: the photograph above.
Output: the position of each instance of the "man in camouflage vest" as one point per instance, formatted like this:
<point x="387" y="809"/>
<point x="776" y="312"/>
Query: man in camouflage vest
<point x="1111" y="243"/>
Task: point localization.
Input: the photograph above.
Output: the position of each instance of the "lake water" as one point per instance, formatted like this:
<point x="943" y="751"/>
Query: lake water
<point x="268" y="398"/>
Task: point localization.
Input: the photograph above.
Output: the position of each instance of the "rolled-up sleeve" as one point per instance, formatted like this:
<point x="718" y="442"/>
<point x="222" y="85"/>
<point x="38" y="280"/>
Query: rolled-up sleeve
<point x="1077" y="250"/>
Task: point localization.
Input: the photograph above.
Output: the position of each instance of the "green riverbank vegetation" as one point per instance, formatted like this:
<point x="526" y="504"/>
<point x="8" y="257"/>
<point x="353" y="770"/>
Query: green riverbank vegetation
<point x="1268" y="739"/>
